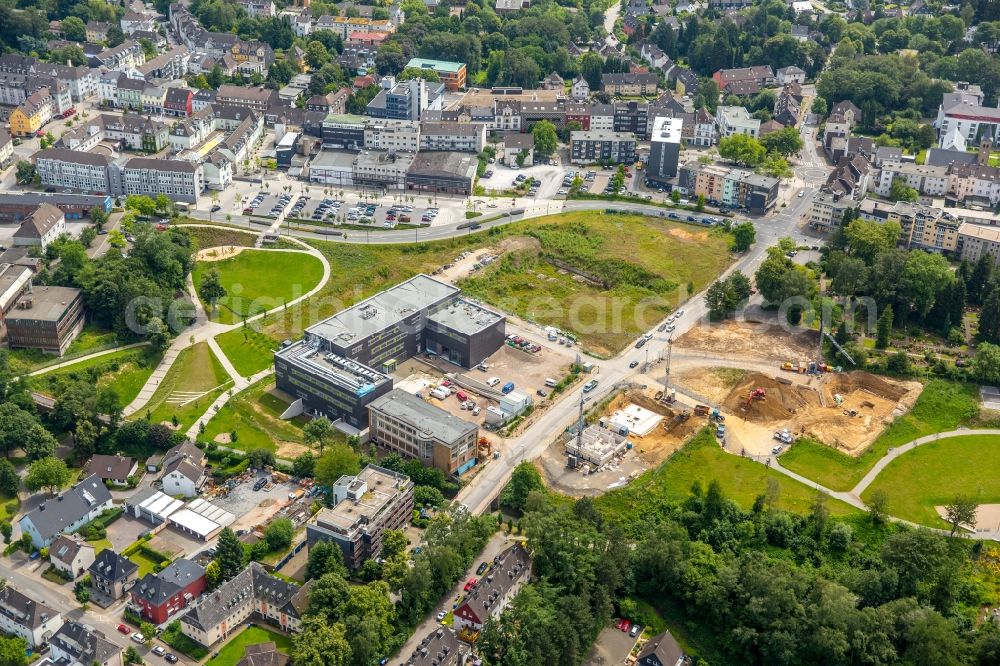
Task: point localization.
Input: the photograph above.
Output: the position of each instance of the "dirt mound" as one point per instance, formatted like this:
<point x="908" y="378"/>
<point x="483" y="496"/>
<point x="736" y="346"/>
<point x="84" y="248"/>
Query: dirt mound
<point x="848" y="382"/>
<point x="713" y="383"/>
<point x="781" y="401"/>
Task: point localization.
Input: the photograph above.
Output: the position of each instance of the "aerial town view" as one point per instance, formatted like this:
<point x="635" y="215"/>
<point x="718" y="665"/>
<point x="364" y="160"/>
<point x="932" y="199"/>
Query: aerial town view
<point x="500" y="332"/>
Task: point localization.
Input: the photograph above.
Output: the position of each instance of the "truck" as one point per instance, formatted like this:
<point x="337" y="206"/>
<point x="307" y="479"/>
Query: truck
<point x="440" y="392"/>
<point x="507" y="388"/>
<point x="701" y="410"/>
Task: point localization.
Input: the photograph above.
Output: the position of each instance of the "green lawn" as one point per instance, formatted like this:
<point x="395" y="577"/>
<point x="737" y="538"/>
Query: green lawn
<point x="8" y="508"/>
<point x="942" y="406"/>
<point x="195" y="371"/>
<point x="125" y="371"/>
<point x="932" y="474"/>
<point x="255" y="415"/>
<point x="702" y="460"/>
<point x="146" y="564"/>
<point x="639" y="268"/>
<point x="249" y="350"/>
<point x="232" y="651"/>
<point x="91" y="338"/>
<point x="259" y="280"/>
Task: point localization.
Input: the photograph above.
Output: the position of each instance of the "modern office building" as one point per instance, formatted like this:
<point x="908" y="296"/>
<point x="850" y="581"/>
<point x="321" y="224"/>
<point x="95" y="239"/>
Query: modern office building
<point x="443" y="172"/>
<point x="340" y="365"/>
<point x="364" y="507"/>
<point x="406" y="100"/>
<point x="405" y="424"/>
<point x="664" y="149"/>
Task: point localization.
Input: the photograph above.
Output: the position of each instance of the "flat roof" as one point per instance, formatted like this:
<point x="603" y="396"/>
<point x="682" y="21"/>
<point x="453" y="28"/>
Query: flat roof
<point x="160" y="504"/>
<point x="382" y="487"/>
<point x="351" y="375"/>
<point x="48" y="304"/>
<point x="334" y="158"/>
<point x="438" y="65"/>
<point x="980" y="231"/>
<point x="464" y="316"/>
<point x="429" y="420"/>
<point x="667" y="129"/>
<point x="383" y="310"/>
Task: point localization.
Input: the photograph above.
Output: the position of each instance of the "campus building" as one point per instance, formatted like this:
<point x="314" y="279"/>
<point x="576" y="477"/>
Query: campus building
<point x="340" y="365"/>
<point x="364" y="507"/>
<point x="46" y="318"/>
<point x="602" y="146"/>
<point x="405" y="424"/>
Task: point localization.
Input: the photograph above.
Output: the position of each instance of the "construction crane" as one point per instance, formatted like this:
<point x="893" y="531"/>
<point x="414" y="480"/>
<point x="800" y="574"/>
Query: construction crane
<point x="756" y="394"/>
<point x="839" y="348"/>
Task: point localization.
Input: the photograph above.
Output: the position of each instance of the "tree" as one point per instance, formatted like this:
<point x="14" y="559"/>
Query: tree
<point x="261" y="458"/>
<point x="723" y="296"/>
<point x="141" y="203"/>
<point x="213" y="575"/>
<point x="157" y="334"/>
<point x="9" y="481"/>
<point x="98" y="216"/>
<point x="316" y="55"/>
<point x="785" y="142"/>
<point x="878" y="507"/>
<point x="979" y="278"/>
<point x="775" y="166"/>
<point x="850" y="276"/>
<point x="592" y="69"/>
<point x="742" y="149"/>
<point x="26" y="173"/>
<point x="989" y="317"/>
<point x="744" y="235"/>
<point x="50" y="473"/>
<point x="81" y="589"/>
<point x="84" y="439"/>
<point x="393" y="542"/>
<point x="73" y="29"/>
<point x="986" y="364"/>
<point x="523" y="480"/>
<point x="961" y="511"/>
<point x="303" y="465"/>
<point x="15" y="426"/>
<point x="884" y="329"/>
<point x="866" y="240"/>
<point x="279" y="534"/>
<point x="317" y="431"/>
<point x="325" y="557"/>
<point x="148" y="630"/>
<point x="338" y="460"/>
<point x="229" y="554"/>
<point x="546" y="138"/>
<point x="13" y="651"/>
<point x="211" y="288"/>
<point x="900" y="191"/>
<point x="321" y="644"/>
<point x="132" y="656"/>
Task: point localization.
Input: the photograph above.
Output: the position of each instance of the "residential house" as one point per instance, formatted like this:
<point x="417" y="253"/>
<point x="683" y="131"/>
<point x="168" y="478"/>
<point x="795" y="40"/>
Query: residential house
<point x="75" y="644"/>
<point x="332" y="102"/>
<point x="601" y="146"/>
<point x="580" y="90"/>
<point x="704" y="134"/>
<point x="133" y="22"/>
<point x="630" y="84"/>
<point x="661" y="650"/>
<point x="116" y="469"/>
<point x="507" y="6"/>
<point x="744" y="80"/>
<point x="515" y="144"/>
<point x="41" y="227"/>
<point x="847" y="111"/>
<point x="111" y="576"/>
<point x="70" y="554"/>
<point x="158" y="596"/>
<point x="127" y="55"/>
<point x="22" y="616"/>
<point x="184" y="470"/>
<point x="179" y="102"/>
<point x="791" y="74"/>
<point x="787" y="109"/>
<point x="508" y="573"/>
<point x="32" y="113"/>
<point x="265" y="654"/>
<point x="251" y="594"/>
<point x="736" y="120"/>
<point x="97" y="31"/>
<point x="553" y="82"/>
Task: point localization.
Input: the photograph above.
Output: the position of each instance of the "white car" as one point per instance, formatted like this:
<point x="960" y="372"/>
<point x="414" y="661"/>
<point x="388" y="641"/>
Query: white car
<point x="138" y="638"/>
<point x="159" y="651"/>
<point x="561" y="192"/>
<point x="679" y="313"/>
<point x="440" y="616"/>
<point x="492" y="381"/>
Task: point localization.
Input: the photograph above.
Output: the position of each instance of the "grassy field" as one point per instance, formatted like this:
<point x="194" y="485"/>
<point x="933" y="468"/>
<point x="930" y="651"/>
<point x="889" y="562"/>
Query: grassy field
<point x="91" y="338"/>
<point x="232" y="651"/>
<point x="932" y="474"/>
<point x="125" y="371"/>
<point x="634" y="271"/>
<point x="8" y="508"/>
<point x="259" y="280"/>
<point x="255" y="415"/>
<point x="942" y="406"/>
<point x="146" y="564"/>
<point x="702" y="460"/>
<point x="249" y="350"/>
<point x="196" y="371"/>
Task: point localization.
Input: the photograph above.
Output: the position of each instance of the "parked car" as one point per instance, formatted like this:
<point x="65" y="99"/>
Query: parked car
<point x="635" y="630"/>
<point x="471" y="583"/>
<point x="123" y="629"/>
<point x="481" y="568"/>
<point x="138" y="638"/>
<point x="159" y="651"/>
<point x="633" y="364"/>
<point x="441" y="615"/>
<point x="171" y="658"/>
<point x="590" y="386"/>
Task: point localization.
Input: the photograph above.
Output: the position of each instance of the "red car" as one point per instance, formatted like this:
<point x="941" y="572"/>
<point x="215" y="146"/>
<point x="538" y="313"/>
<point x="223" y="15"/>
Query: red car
<point x="624" y="625"/>
<point x="471" y="584"/>
<point x="122" y="628"/>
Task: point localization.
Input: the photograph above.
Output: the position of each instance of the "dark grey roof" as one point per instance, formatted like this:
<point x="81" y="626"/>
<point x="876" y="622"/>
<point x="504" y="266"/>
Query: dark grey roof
<point x="72" y="156"/>
<point x="185" y="458"/>
<point x="160" y="165"/>
<point x="111" y="467"/>
<point x="65" y="547"/>
<point x="263" y="654"/>
<point x="86" y="645"/>
<point x="23" y="610"/>
<point x="660" y="650"/>
<point x="53" y="516"/>
<point x="253" y="582"/>
<point x="944" y="157"/>
<point x="112" y="566"/>
<point x="40" y="222"/>
<point x="508" y="567"/>
<point x="159" y="588"/>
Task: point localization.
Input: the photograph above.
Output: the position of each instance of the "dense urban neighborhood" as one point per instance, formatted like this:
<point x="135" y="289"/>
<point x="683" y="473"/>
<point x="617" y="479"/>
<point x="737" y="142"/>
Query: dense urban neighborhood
<point x="511" y="333"/>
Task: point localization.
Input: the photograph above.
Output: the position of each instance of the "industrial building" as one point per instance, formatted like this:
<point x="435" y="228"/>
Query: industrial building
<point x="364" y="507"/>
<point x="340" y="366"/>
<point x="664" y="149"/>
<point x="405" y="424"/>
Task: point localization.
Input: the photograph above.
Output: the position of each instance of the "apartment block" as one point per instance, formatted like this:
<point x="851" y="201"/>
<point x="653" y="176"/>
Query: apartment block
<point x="393" y="135"/>
<point x="664" y="149"/>
<point x="459" y="137"/>
<point x="597" y="146"/>
<point x="975" y="241"/>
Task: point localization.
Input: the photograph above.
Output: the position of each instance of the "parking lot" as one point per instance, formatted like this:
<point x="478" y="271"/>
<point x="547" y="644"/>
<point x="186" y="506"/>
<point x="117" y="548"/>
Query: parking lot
<point x="612" y="648"/>
<point x="317" y="209"/>
<point x="268" y="205"/>
<point x="126" y="530"/>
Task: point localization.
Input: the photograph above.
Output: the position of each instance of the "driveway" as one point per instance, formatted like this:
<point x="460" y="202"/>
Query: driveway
<point x="612" y="647"/>
<point x="126" y="530"/>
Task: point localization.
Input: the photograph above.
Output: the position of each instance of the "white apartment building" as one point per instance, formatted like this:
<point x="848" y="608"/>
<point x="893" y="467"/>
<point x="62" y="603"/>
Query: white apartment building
<point x="393" y="135"/>
<point x="87" y="172"/>
<point x="925" y="179"/>
<point x="460" y="137"/>
<point x="736" y="120"/>
<point x="179" y="180"/>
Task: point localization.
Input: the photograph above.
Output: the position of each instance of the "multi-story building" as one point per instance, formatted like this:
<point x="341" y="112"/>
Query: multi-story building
<point x="132" y="131"/>
<point x="704" y="133"/>
<point x="630" y="84"/>
<point x="179" y="102"/>
<point x="75" y="644"/>
<point x="442" y="171"/>
<point x="184" y="471"/>
<point x="127" y="55"/>
<point x="32" y="113"/>
<point x="333" y="102"/>
<point x="97" y="31"/>
<point x="49" y="319"/>
<point x="345" y="25"/>
<point x="364" y="508"/>
<point x="252" y="57"/>
<point x="333" y="368"/>
<point x="81" y="81"/>
<point x="744" y="80"/>
<point x="925" y="179"/>
<point x="405" y="424"/>
<point x="257" y="99"/>
<point x="508" y="573"/>
<point x="460" y="137"/>
<point x="73" y="509"/>
<point x="158" y="596"/>
<point x="976" y="240"/>
<point x="253" y="593"/>
<point x="45" y="224"/>
<point x="179" y="180"/>
<point x="962" y="113"/>
<point x="602" y="146"/>
<point x="791" y="74"/>
<point x="22" y="616"/>
<point x="923" y="227"/>
<point x="71" y="555"/>
<point x="381" y="169"/>
<point x="392" y="135"/>
<point x="452" y="74"/>
<point x="134" y="22"/>
<point x="731" y="187"/>
<point x="406" y="100"/>
<point x="826" y="211"/>
<point x="112" y="576"/>
<point x="632" y="117"/>
<point x="169" y="65"/>
<point x="664" y="149"/>
<point x="736" y="120"/>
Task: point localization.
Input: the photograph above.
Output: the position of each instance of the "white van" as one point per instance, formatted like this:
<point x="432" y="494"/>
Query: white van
<point x="551" y="383"/>
<point x="492" y="381"/>
<point x="440" y="392"/>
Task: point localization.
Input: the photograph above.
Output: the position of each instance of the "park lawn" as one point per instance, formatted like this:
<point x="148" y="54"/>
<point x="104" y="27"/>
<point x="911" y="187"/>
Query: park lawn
<point x="255" y="415"/>
<point x="943" y="405"/>
<point x="195" y="372"/>
<point x="653" y="260"/>
<point x="701" y="460"/>
<point x="125" y="371"/>
<point x="249" y="350"/>
<point x="92" y="338"/>
<point x="232" y="652"/>
<point x="933" y="474"/>
<point x="259" y="280"/>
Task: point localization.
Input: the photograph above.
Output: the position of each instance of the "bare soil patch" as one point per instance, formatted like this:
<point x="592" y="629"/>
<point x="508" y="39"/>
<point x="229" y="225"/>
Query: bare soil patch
<point x="749" y="339"/>
<point x="713" y="383"/>
<point x="219" y="253"/>
<point x="668" y="436"/>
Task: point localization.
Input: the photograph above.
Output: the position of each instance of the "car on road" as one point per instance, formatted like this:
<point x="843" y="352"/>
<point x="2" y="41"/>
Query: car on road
<point x="481" y="568"/>
<point x="640" y="343"/>
<point x="661" y="328"/>
<point x="138" y="638"/>
<point x="802" y="193"/>
<point x="159" y="651"/>
<point x="441" y="615"/>
<point x="123" y="629"/>
<point x="778" y="449"/>
<point x="216" y="208"/>
<point x="561" y="191"/>
<point x="471" y="583"/>
<point x="670" y="328"/>
<point x="171" y="658"/>
<point x="679" y="313"/>
<point x="590" y="386"/>
<point x="633" y="364"/>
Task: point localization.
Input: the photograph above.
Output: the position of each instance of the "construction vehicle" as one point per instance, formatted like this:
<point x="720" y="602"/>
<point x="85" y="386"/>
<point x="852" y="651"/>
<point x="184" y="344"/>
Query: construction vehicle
<point x="850" y="412"/>
<point x="701" y="410"/>
<point x="717" y="416"/>
<point x="757" y="394"/>
<point x="787" y="365"/>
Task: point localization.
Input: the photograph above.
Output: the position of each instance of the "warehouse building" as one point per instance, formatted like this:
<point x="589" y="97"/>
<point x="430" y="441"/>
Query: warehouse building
<point x="404" y="424"/>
